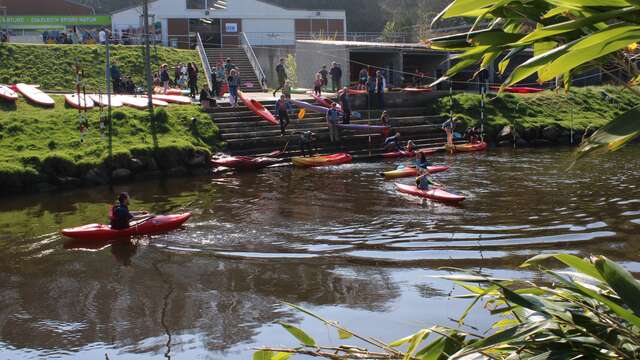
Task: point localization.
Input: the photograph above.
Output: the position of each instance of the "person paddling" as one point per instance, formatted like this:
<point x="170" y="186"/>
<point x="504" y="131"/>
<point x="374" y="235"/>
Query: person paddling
<point x="421" y="161"/>
<point x="120" y="215"/>
<point x="392" y="143"/>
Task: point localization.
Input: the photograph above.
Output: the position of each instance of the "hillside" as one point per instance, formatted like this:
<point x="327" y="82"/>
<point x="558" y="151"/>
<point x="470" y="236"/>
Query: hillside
<point x="51" y="66"/>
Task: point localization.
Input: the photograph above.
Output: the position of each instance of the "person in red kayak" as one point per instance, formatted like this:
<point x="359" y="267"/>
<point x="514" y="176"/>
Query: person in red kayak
<point x="120" y="215"/>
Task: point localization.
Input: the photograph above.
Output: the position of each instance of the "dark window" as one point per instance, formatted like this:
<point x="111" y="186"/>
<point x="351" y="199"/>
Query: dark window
<point x="196" y="4"/>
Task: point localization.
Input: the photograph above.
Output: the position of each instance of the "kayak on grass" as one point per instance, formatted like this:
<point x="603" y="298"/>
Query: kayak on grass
<point x="81" y="102"/>
<point x="154" y="225"/>
<point x="466" y="147"/>
<point x="410" y="171"/>
<point x="35" y="95"/>
<point x="433" y="194"/>
<point x="258" y="108"/>
<point x="7" y="94"/>
<point x="102" y="100"/>
<point x="322" y="160"/>
<point x="174" y="99"/>
<point x="245" y="162"/>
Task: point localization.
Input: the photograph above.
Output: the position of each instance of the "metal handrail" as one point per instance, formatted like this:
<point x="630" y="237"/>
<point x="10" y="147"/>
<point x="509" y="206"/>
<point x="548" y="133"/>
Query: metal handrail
<point x="206" y="65"/>
<point x="253" y="59"/>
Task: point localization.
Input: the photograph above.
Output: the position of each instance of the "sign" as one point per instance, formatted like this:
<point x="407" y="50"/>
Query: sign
<point x="231" y="27"/>
<point x="24" y="21"/>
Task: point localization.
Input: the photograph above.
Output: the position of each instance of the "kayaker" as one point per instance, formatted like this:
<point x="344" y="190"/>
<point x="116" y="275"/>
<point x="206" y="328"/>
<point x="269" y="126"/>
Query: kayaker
<point x="306" y="141"/>
<point x="332" y="123"/>
<point x="421" y="161"/>
<point x="345" y="103"/>
<point x="120" y="215"/>
<point x="473" y="134"/>
<point x="325" y="75"/>
<point x="447" y="126"/>
<point x="282" y="76"/>
<point x="392" y="143"/>
<point x="283" y="106"/>
<point x="424" y="181"/>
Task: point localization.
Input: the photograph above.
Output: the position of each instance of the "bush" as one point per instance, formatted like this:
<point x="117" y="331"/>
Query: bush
<point x="14" y="177"/>
<point x="58" y="165"/>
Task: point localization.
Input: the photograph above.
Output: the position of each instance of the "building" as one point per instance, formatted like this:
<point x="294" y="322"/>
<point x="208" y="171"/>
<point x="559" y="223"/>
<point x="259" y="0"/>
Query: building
<point x="27" y="20"/>
<point x="221" y="23"/>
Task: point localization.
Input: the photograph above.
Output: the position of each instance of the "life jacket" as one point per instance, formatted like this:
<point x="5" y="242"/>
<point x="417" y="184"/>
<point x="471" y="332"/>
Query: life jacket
<point x="115" y="221"/>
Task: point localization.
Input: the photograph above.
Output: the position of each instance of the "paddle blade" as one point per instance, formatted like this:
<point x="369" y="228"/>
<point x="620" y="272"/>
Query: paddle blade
<point x="301" y="114"/>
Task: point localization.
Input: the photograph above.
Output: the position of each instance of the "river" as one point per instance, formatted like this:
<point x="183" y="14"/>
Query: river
<point x="339" y="241"/>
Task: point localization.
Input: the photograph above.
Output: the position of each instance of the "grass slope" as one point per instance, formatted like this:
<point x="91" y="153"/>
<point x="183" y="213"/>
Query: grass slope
<point x="581" y="108"/>
<point x="52" y="66"/>
<point x="37" y="141"/>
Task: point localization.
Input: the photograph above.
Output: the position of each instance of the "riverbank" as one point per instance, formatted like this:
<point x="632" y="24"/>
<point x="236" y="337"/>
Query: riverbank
<point x="51" y="66"/>
<point x="539" y="119"/>
<point x="43" y="149"/>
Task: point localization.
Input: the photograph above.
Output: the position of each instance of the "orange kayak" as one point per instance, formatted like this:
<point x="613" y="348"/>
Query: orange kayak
<point x="466" y="147"/>
<point x="322" y="160"/>
<point x="258" y="108"/>
<point x="410" y="171"/>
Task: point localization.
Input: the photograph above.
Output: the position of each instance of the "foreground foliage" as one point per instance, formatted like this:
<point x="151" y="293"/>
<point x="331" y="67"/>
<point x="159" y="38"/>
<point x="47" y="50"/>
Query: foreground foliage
<point x="590" y="312"/>
<point x="567" y="37"/>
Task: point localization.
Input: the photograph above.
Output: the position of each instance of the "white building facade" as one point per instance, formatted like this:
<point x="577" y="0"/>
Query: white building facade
<point x="220" y="23"/>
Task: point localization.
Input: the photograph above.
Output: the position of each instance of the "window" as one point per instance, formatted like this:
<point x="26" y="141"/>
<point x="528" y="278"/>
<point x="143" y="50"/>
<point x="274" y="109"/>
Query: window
<point x="196" y="4"/>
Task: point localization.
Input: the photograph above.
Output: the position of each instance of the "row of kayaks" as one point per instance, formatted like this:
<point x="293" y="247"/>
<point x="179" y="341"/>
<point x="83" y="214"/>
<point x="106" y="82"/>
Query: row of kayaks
<point x="88" y="101"/>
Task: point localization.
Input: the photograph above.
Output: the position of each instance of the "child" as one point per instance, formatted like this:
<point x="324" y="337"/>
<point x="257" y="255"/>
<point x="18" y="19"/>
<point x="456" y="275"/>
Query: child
<point x="317" y="84"/>
<point x="384" y="119"/>
<point x="286" y="90"/>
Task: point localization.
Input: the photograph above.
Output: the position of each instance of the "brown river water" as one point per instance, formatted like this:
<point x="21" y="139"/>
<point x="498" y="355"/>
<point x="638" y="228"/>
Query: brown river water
<point x="339" y="241"/>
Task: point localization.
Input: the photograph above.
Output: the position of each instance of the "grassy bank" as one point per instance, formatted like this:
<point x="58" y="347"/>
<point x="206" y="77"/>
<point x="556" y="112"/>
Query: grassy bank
<point x="51" y="66"/>
<point x="40" y="145"/>
<point x="582" y="108"/>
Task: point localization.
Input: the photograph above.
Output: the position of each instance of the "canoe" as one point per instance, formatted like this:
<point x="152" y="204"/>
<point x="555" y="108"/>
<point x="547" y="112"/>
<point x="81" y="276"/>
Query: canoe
<point x="174" y="99"/>
<point x="258" y="108"/>
<point x="377" y="129"/>
<point x="325" y="101"/>
<point x="35" y="95"/>
<point x="466" y="147"/>
<point x="245" y="162"/>
<point x="7" y="94"/>
<point x="81" y="102"/>
<point x="519" y="89"/>
<point x="101" y="100"/>
<point x="417" y="90"/>
<point x="322" y="160"/>
<point x="156" y="225"/>
<point x="412" y="171"/>
<point x="433" y="194"/>
<point x="398" y="154"/>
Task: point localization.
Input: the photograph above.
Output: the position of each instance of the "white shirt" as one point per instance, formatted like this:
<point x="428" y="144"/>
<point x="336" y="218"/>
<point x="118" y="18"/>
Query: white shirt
<point x="102" y="35"/>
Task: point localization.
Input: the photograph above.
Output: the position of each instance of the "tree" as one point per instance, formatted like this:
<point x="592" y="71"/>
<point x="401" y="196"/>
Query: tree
<point x="568" y="37"/>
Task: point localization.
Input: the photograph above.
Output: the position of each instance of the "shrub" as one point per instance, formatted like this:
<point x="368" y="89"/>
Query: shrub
<point x="59" y="165"/>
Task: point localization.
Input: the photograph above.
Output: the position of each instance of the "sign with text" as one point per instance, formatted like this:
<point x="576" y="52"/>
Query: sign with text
<point x="231" y="27"/>
<point x="22" y="21"/>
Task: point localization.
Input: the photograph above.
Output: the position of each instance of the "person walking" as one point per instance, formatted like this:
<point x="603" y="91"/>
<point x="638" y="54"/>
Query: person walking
<point x="164" y="78"/>
<point x="282" y="76"/>
<point x="381" y="84"/>
<point x="228" y="66"/>
<point x="325" y="75"/>
<point x="317" y="84"/>
<point x="336" y="76"/>
<point x="345" y="103"/>
<point x="371" y="90"/>
<point x="332" y="123"/>
<point x="192" y="72"/>
<point x="214" y="82"/>
<point x="234" y="85"/>
<point x="283" y="106"/>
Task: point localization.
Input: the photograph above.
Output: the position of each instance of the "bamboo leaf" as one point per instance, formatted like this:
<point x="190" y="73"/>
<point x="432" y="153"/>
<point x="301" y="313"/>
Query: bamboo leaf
<point x="343" y="334"/>
<point x="263" y="355"/>
<point x="621" y="281"/>
<point x="619" y="310"/>
<point x="613" y="135"/>
<point x="432" y="351"/>
<point x="509" y="335"/>
<point x="534" y="65"/>
<point x="282" y="356"/>
<point x="416" y="340"/>
<point x="299" y="334"/>
<point x="575" y="262"/>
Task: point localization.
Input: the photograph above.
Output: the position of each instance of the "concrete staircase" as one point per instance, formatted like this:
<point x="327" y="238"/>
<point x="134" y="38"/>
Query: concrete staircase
<point x="240" y="59"/>
<point x="247" y="134"/>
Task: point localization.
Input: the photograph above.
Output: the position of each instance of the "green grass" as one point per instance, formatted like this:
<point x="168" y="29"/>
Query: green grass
<point x="52" y="66"/>
<point x="35" y="141"/>
<point x="580" y="109"/>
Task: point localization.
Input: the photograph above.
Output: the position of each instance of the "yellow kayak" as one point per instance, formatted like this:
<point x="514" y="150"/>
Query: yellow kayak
<point x="322" y="160"/>
<point x="410" y="171"/>
<point x="466" y="147"/>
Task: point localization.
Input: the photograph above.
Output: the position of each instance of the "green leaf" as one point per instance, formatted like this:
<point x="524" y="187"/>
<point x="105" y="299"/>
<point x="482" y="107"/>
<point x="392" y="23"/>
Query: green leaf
<point x="581" y="4"/>
<point x="343" y="334"/>
<point x="534" y="65"/>
<point x="614" y="134"/>
<point x="416" y="340"/>
<point x="619" y="310"/>
<point x="299" y="334"/>
<point x="263" y="355"/>
<point x="621" y="281"/>
<point x="512" y="334"/>
<point x="282" y="356"/>
<point x="575" y="262"/>
<point x="402" y="341"/>
<point x="462" y="7"/>
<point x="432" y="351"/>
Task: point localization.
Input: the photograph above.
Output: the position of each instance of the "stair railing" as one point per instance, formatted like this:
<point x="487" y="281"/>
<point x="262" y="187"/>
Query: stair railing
<point x="206" y="65"/>
<point x="253" y="59"/>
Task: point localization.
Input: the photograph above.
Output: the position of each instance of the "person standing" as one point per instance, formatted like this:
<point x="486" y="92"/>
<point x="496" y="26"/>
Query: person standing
<point x="102" y="37"/>
<point x="228" y="66"/>
<point x="214" y="82"/>
<point x="176" y="74"/>
<point x="306" y="141"/>
<point x="283" y="106"/>
<point x="317" y="84"/>
<point x="192" y="71"/>
<point x="371" y="90"/>
<point x="325" y="75"/>
<point x="164" y="78"/>
<point x="116" y="77"/>
<point x="332" y="123"/>
<point x="345" y="103"/>
<point x="381" y="84"/>
<point x="336" y="76"/>
<point x="282" y="76"/>
<point x="234" y="85"/>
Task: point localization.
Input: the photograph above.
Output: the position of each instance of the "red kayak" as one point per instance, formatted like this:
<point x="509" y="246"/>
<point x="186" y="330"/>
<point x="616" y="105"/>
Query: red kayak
<point x="434" y="194"/>
<point x="417" y="90"/>
<point x="519" y="89"/>
<point x="412" y="171"/>
<point x="245" y="162"/>
<point x="398" y="154"/>
<point x="326" y="102"/>
<point x="322" y="160"/>
<point x="466" y="147"/>
<point x="357" y="91"/>
<point x="7" y="94"/>
<point x="155" y="225"/>
<point x="35" y="95"/>
<point x="258" y="108"/>
<point x="79" y="102"/>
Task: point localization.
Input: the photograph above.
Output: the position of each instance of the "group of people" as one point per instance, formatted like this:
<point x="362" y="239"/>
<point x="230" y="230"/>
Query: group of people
<point x="121" y="84"/>
<point x="184" y="77"/>
<point x="375" y="85"/>
<point x="321" y="80"/>
<point x="4" y="37"/>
